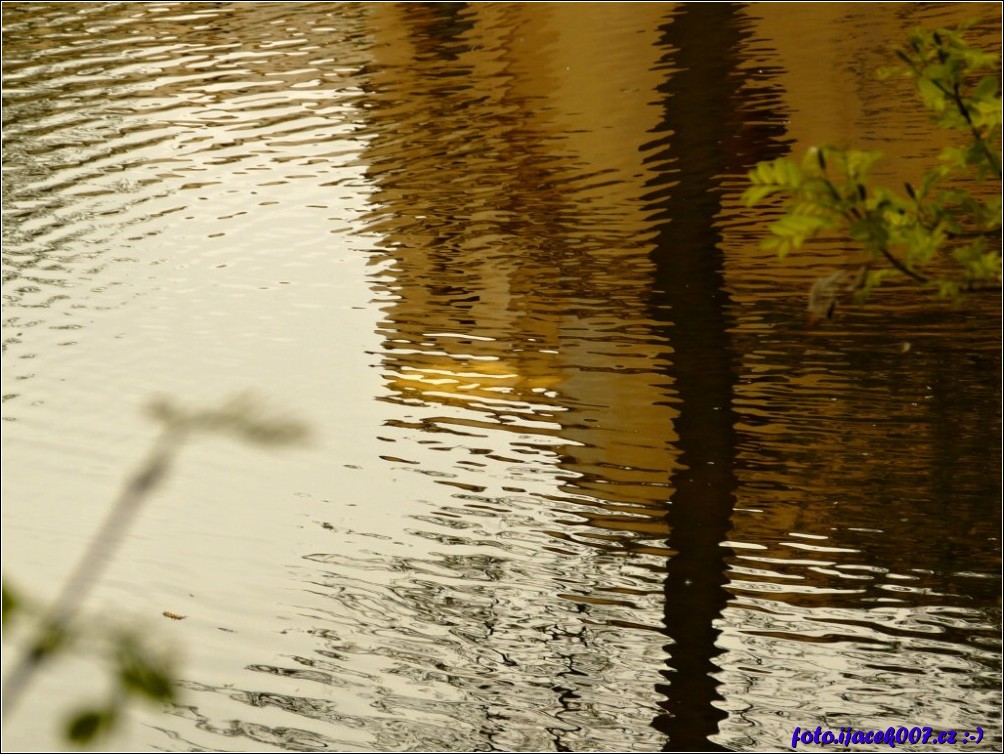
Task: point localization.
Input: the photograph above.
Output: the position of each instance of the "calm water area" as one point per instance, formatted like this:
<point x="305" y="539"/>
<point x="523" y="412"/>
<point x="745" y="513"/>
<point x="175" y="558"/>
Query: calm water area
<point x="582" y="475"/>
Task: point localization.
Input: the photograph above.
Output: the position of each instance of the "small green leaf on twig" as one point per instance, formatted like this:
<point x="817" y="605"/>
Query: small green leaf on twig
<point x="84" y="727"/>
<point x="242" y="417"/>
<point x="51" y="638"/>
<point x="142" y="674"/>
<point x="11" y="603"/>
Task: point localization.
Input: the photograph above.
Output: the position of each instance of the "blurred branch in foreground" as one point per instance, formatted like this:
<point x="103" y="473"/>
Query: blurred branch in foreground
<point x="138" y="670"/>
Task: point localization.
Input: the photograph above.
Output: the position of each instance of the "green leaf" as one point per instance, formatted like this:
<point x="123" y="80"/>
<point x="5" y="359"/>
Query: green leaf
<point x="780" y="172"/>
<point x="797" y="226"/>
<point x="12" y="603"/>
<point x="948" y="289"/>
<point x="85" y="727"/>
<point x="988" y="88"/>
<point x="778" y="245"/>
<point x="756" y="194"/>
<point x="51" y="638"/>
<point x="953" y="156"/>
<point x="860" y="162"/>
<point x="142" y="675"/>
<point x="793" y="230"/>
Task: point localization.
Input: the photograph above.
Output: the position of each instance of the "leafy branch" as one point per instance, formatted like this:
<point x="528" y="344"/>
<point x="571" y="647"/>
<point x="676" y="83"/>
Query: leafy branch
<point x="830" y="191"/>
<point x="138" y="671"/>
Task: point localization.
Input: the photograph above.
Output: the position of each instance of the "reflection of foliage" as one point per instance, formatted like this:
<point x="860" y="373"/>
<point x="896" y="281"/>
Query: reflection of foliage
<point x="905" y="235"/>
<point x="138" y="671"/>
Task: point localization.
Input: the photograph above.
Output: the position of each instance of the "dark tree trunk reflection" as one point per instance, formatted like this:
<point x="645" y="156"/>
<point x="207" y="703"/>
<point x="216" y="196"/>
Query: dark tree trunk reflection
<point x="705" y="140"/>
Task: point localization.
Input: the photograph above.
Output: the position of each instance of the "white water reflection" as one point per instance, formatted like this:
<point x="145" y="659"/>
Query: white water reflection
<point x="787" y="654"/>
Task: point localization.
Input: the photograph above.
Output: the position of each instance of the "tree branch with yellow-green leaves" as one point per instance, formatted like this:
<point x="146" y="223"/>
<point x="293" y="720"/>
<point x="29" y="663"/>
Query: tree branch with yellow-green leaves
<point x="953" y="215"/>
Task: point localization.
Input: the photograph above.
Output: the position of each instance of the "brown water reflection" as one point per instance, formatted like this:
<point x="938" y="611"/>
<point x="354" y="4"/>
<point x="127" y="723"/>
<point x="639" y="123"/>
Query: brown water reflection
<point x="688" y="362"/>
<point x="590" y="482"/>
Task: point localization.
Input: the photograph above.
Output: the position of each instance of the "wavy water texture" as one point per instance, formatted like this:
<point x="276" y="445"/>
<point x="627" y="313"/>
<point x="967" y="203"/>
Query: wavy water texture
<point x="585" y="478"/>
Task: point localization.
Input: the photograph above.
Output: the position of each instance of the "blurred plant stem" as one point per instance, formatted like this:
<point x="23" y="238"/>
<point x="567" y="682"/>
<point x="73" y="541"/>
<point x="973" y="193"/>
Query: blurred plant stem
<point x="91" y="566"/>
<point x="240" y="417"/>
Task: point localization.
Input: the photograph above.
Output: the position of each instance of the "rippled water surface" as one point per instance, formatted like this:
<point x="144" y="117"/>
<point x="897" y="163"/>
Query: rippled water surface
<point x="582" y="476"/>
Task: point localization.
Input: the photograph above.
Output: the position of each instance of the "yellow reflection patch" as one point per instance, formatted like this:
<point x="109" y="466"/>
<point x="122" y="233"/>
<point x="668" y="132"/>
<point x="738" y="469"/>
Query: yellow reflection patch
<point x="475" y="377"/>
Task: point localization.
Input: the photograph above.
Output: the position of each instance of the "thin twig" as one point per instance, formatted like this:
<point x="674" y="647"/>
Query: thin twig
<point x="895" y="262"/>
